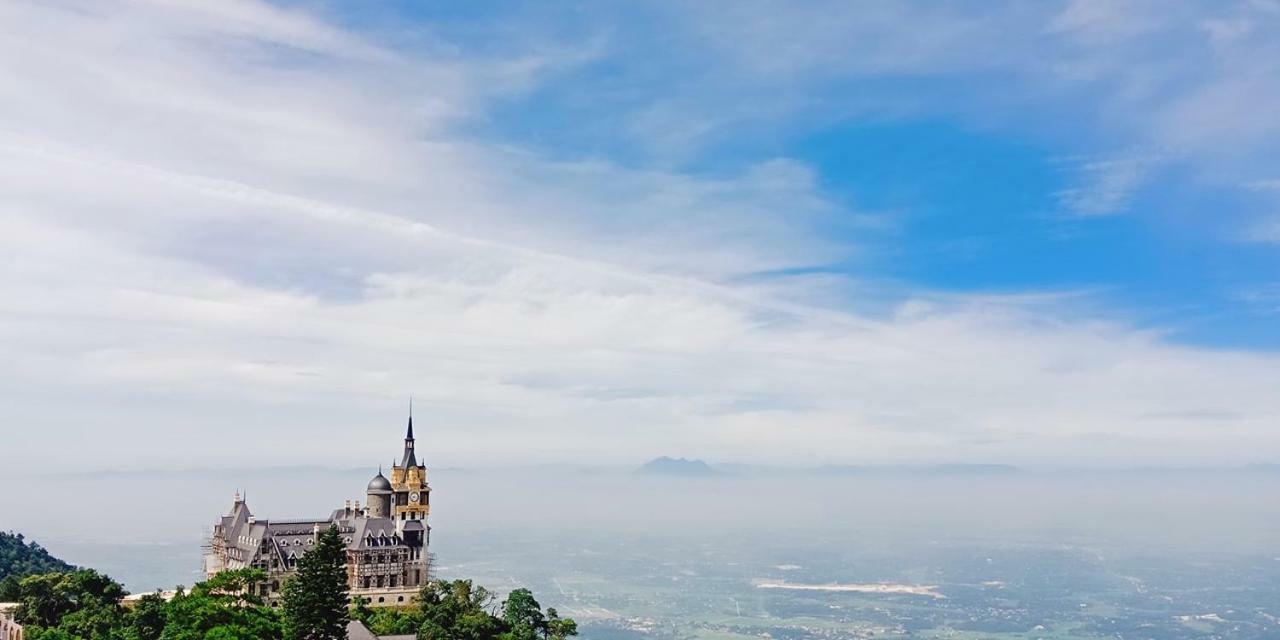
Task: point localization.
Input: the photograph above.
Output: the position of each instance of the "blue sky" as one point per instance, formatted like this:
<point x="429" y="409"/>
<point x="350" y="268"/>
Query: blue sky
<point x="1028" y="233"/>
<point x="985" y="176"/>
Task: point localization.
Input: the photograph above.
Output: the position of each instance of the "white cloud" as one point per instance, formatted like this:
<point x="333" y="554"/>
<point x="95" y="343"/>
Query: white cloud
<point x="1192" y="80"/>
<point x="1105" y="186"/>
<point x="210" y="254"/>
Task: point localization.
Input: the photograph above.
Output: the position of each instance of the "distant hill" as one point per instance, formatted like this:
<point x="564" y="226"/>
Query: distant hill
<point x="20" y="558"/>
<point x="666" y="466"/>
<point x="932" y="470"/>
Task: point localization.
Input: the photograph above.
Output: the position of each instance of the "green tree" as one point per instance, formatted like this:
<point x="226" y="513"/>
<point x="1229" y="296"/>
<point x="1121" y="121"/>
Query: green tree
<point x="557" y="628"/>
<point x="457" y="610"/>
<point x="461" y="610"/>
<point x="360" y="610"/>
<point x="222" y="608"/>
<point x="45" y="600"/>
<point x="94" y="621"/>
<point x="386" y="621"/>
<point x="315" y="600"/>
<point x="523" y="615"/>
<point x="39" y="633"/>
<point x="20" y="558"/>
<point x="148" y="618"/>
<point x="10" y="591"/>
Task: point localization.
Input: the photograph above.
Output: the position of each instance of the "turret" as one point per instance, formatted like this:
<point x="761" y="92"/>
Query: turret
<point x="379" y="496"/>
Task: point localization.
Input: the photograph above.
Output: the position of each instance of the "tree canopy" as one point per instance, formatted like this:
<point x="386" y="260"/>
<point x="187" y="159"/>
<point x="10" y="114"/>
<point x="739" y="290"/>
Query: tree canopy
<point x="82" y="604"/>
<point x="85" y="605"/>
<point x="315" y="600"/>
<point x="220" y="608"/>
<point x="462" y="610"/>
<point x="19" y="558"/>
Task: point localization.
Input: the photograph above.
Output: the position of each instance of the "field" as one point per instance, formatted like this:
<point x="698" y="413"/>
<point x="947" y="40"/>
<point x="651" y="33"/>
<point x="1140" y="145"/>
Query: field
<point x="636" y="587"/>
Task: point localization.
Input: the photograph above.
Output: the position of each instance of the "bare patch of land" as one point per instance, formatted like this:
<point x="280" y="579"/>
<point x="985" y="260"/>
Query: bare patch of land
<point x="885" y="588"/>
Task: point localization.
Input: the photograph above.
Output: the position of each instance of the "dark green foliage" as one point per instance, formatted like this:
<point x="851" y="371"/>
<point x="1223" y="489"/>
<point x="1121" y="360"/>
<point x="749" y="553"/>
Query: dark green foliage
<point x="360" y="610"/>
<point x="457" y="610"/>
<point x="85" y="605"/>
<point x="148" y="618"/>
<point x="315" y="600"/>
<point x="522" y="615"/>
<point x="38" y="633"/>
<point x="557" y="628"/>
<point x="20" y="558"/>
<point x="9" y="591"/>
<point x="393" y="622"/>
<point x="84" y="600"/>
<point x="222" y="608"/>
<point x="461" y="610"/>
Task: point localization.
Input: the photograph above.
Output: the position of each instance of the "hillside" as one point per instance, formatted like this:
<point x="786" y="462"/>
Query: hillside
<point x="19" y="557"/>
<point x="676" y="467"/>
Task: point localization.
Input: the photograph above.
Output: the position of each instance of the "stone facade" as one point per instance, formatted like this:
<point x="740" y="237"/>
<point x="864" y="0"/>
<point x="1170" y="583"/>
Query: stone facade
<point x="9" y="628"/>
<point x="387" y="540"/>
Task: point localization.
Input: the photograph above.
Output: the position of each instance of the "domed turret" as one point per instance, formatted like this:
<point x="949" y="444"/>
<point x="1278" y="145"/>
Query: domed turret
<point x="379" y="484"/>
<point x="379" y="496"/>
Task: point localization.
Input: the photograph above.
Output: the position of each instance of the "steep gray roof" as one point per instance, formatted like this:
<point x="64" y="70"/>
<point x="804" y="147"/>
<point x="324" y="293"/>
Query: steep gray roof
<point x="357" y="631"/>
<point x="375" y="533"/>
<point x="295" y="537"/>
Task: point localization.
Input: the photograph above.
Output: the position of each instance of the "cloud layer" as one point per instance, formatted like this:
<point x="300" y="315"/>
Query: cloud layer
<point x="235" y="233"/>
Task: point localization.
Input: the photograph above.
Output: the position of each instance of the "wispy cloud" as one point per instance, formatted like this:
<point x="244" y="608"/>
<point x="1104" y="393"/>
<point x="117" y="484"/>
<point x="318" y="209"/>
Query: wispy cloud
<point x="1188" y="79"/>
<point x="274" y="230"/>
<point x="1105" y="187"/>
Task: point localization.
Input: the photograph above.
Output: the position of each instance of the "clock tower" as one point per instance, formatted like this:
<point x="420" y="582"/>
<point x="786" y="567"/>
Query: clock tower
<point x="410" y="493"/>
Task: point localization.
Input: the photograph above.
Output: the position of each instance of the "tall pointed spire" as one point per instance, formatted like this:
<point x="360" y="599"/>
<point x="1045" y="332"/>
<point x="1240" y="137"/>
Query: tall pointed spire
<point x="409" y="436"/>
<point x="409" y="459"/>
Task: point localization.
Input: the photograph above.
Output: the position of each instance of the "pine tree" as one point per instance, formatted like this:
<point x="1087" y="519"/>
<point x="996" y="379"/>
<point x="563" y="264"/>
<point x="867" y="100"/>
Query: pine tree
<point x="315" y="600"/>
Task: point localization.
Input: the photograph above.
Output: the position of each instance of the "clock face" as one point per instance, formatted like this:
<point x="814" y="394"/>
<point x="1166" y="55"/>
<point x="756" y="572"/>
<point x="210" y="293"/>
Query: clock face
<point x="413" y="497"/>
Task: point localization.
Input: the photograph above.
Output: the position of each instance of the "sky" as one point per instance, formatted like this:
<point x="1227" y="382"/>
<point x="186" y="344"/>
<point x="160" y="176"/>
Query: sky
<point x="242" y="233"/>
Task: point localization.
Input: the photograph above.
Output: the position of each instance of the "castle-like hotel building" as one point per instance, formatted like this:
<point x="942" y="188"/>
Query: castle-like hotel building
<point x="387" y="559"/>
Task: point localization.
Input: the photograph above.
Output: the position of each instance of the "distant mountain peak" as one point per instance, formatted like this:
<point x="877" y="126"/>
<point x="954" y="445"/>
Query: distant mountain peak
<point x="669" y="466"/>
